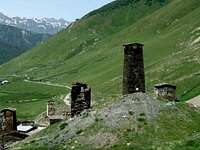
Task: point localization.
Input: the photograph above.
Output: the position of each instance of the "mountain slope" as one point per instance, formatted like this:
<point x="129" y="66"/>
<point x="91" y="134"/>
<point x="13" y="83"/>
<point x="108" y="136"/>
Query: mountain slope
<point x="7" y="52"/>
<point x="38" y="25"/>
<point x="90" y="50"/>
<point x="14" y="41"/>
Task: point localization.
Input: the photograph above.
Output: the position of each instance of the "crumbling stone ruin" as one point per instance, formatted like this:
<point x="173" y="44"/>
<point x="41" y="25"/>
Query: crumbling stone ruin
<point x="9" y="128"/>
<point x="165" y="91"/>
<point x="51" y="108"/>
<point x="8" y="120"/>
<point x="80" y="98"/>
<point x="133" y="71"/>
<point x="52" y="117"/>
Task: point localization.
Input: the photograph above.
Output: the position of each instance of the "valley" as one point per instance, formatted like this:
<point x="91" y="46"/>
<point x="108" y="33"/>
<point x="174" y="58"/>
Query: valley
<point x="90" y="50"/>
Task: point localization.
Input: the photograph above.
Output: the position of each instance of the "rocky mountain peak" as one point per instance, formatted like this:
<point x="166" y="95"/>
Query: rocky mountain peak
<point x="38" y="25"/>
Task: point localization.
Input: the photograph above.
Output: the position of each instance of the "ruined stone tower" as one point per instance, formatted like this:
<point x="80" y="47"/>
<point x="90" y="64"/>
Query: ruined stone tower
<point x="133" y="72"/>
<point x="8" y="120"/>
<point x="51" y="108"/>
<point x="80" y="98"/>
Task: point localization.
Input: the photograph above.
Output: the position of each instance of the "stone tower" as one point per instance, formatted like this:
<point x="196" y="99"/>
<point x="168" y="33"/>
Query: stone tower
<point x="51" y="108"/>
<point x="9" y="120"/>
<point x="133" y="72"/>
<point x="80" y="98"/>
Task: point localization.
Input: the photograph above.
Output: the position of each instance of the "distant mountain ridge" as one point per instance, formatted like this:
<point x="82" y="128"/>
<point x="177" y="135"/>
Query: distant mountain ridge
<point x="14" y="41"/>
<point x="38" y="25"/>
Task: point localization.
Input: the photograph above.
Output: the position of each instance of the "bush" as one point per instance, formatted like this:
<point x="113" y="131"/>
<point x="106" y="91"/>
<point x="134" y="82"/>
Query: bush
<point x="141" y="119"/>
<point x="63" y="125"/>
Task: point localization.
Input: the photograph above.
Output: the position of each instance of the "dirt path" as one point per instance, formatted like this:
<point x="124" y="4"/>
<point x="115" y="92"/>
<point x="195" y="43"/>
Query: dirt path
<point x="67" y="99"/>
<point x="48" y="83"/>
<point x="187" y="77"/>
<point x="195" y="101"/>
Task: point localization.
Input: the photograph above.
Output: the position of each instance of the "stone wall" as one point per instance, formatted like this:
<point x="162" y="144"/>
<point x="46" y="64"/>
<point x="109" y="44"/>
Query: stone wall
<point x="9" y="120"/>
<point x="133" y="71"/>
<point x="168" y="93"/>
<point x="80" y="98"/>
<point x="1" y="121"/>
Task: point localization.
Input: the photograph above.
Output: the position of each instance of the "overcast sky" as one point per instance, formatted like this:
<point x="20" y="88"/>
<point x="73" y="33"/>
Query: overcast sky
<point x="67" y="9"/>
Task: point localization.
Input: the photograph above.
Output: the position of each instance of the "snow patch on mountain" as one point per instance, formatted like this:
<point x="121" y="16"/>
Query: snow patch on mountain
<point x="38" y="25"/>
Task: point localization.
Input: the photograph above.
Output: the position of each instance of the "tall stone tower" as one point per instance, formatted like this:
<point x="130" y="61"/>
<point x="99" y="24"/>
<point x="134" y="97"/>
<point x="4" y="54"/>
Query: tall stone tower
<point x="133" y="72"/>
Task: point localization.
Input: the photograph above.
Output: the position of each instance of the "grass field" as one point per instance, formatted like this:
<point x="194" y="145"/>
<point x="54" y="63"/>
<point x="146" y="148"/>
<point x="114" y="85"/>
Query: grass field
<point x="28" y="98"/>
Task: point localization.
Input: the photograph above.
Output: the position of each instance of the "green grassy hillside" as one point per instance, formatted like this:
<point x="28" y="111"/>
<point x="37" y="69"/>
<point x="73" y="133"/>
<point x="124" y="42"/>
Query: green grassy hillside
<point x="90" y="50"/>
<point x="29" y="99"/>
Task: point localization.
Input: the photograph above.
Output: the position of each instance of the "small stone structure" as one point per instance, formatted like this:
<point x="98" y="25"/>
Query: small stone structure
<point x="133" y="71"/>
<point x="1" y="121"/>
<point x="8" y="120"/>
<point x="80" y="98"/>
<point x="51" y="113"/>
<point x="11" y="129"/>
<point x="51" y="108"/>
<point x="166" y="91"/>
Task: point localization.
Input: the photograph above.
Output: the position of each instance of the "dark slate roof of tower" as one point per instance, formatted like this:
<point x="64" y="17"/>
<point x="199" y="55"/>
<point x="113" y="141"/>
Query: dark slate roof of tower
<point x="51" y="101"/>
<point x="8" y="109"/>
<point x="161" y="85"/>
<point x="134" y="44"/>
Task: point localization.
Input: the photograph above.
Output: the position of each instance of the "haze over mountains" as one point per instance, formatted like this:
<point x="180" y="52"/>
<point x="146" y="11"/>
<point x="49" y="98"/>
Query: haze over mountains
<point x="38" y="25"/>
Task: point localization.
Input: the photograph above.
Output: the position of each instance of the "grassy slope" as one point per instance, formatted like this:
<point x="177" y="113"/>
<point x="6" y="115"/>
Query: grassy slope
<point x="54" y="58"/>
<point x="175" y="128"/>
<point x="90" y="50"/>
<point x="5" y="50"/>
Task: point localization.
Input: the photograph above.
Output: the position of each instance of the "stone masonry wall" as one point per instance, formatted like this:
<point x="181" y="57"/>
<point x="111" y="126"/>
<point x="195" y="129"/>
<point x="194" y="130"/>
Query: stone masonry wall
<point x="80" y="98"/>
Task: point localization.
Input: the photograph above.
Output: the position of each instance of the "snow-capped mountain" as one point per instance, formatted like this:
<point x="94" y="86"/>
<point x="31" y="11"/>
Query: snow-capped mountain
<point x="38" y="25"/>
